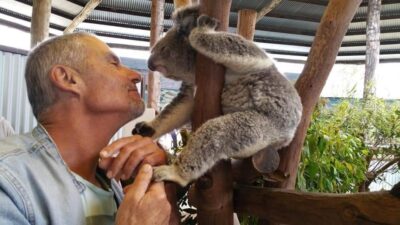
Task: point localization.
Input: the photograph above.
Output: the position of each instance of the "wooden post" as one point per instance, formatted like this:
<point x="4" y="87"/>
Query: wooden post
<point x="247" y="23"/>
<point x="181" y="3"/>
<point x="243" y="170"/>
<point x="373" y="42"/>
<point x="295" y="208"/>
<point x="157" y="24"/>
<point x="268" y="8"/>
<point x="89" y="7"/>
<point x="41" y="11"/>
<point x="322" y="56"/>
<point x="212" y="194"/>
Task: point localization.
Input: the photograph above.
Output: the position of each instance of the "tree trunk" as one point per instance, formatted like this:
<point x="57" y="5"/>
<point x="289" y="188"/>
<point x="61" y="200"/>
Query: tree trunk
<point x="181" y="3"/>
<point x="41" y="11"/>
<point x="157" y="24"/>
<point x="212" y="194"/>
<point x="89" y="7"/>
<point x="321" y="59"/>
<point x="295" y="208"/>
<point x="246" y="25"/>
<point x="373" y="43"/>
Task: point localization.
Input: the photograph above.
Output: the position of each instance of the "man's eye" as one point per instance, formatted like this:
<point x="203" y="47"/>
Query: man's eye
<point x="115" y="63"/>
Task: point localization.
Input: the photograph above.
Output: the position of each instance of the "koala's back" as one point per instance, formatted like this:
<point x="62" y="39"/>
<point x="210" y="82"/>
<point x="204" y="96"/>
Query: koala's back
<point x="268" y="92"/>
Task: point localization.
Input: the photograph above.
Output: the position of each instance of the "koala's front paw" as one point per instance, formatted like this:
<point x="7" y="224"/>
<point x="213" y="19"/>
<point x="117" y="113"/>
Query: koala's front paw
<point x="169" y="173"/>
<point x="143" y="129"/>
<point x="206" y="21"/>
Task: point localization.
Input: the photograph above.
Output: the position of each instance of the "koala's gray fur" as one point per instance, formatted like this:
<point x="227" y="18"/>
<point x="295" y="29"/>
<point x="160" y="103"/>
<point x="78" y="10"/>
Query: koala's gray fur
<point x="261" y="108"/>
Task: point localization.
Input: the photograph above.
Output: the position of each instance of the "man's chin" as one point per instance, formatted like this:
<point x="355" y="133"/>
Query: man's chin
<point x="138" y="109"/>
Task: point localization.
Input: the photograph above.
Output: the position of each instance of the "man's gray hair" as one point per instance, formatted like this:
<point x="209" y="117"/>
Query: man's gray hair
<point x="68" y="50"/>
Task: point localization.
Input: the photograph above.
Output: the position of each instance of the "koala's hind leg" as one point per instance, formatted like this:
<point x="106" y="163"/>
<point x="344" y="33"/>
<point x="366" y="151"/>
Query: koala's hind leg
<point x="239" y="135"/>
<point x="231" y="50"/>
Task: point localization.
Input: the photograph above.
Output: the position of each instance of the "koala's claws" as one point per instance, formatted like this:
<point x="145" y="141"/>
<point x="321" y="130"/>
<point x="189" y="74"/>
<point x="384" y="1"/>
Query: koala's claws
<point x="143" y="129"/>
<point x="206" y="21"/>
<point x="168" y="173"/>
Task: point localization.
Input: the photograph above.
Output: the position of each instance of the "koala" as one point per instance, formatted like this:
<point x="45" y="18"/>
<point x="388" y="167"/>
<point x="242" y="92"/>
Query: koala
<point x="261" y="108"/>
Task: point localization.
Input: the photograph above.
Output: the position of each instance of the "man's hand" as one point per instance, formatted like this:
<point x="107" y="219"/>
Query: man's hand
<point x="145" y="203"/>
<point x="122" y="158"/>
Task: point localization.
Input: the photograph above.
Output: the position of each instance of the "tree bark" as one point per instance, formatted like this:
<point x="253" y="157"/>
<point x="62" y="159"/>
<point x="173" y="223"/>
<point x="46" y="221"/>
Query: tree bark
<point x="41" y="11"/>
<point x="294" y="208"/>
<point x="268" y="8"/>
<point x="212" y="194"/>
<point x="247" y="20"/>
<point x="373" y="46"/>
<point x="181" y="3"/>
<point x="89" y="7"/>
<point x="321" y="59"/>
<point x="157" y="24"/>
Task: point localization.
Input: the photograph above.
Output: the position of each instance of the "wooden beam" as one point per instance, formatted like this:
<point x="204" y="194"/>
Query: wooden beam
<point x="41" y="11"/>
<point x="156" y="29"/>
<point x="268" y="8"/>
<point x="373" y="46"/>
<point x="212" y="194"/>
<point x="89" y="7"/>
<point x="295" y="208"/>
<point x="324" y="50"/>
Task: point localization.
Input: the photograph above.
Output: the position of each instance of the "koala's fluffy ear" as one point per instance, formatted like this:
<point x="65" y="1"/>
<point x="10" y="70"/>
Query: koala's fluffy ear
<point x="185" y="19"/>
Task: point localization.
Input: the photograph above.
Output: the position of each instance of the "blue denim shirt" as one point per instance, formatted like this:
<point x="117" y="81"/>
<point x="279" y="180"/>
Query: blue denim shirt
<point x="36" y="186"/>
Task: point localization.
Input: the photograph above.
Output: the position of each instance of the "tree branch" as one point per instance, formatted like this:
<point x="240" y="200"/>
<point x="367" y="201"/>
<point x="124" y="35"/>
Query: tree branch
<point x="82" y="15"/>
<point x="268" y="8"/>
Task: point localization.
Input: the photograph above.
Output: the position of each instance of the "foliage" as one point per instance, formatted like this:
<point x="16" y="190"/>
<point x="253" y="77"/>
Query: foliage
<point x="342" y="142"/>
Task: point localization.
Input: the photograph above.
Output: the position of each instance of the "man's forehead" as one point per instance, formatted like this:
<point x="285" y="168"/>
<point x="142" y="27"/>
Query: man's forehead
<point x="97" y="45"/>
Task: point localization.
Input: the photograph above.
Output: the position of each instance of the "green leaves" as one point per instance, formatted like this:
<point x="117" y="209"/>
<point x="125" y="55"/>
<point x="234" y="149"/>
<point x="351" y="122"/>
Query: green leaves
<point x="343" y="139"/>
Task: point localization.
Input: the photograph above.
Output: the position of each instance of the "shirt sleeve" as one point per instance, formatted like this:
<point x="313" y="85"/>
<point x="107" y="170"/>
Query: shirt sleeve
<point x="10" y="213"/>
<point x="13" y="209"/>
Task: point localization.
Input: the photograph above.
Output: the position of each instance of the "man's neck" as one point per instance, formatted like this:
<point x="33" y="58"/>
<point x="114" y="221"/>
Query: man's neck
<point x="80" y="139"/>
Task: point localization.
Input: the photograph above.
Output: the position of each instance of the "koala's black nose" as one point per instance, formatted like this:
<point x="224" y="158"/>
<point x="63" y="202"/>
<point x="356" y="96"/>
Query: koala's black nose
<point x="150" y="64"/>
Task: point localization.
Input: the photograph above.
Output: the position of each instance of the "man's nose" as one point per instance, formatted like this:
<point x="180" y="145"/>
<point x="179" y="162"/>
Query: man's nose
<point x="134" y="76"/>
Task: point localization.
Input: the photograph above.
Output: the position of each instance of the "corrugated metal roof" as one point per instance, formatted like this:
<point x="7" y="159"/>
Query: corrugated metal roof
<point x="293" y="22"/>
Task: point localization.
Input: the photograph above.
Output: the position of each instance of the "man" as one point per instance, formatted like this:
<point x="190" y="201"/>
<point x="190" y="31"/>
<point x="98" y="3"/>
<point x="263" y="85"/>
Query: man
<point x="81" y="95"/>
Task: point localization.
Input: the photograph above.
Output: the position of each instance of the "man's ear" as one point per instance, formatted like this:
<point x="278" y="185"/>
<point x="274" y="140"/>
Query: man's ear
<point x="66" y="79"/>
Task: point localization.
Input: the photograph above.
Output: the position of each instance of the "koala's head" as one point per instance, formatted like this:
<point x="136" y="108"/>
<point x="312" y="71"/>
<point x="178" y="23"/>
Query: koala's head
<point x="172" y="55"/>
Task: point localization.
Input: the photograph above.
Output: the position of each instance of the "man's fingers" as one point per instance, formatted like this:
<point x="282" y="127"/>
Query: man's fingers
<point x="118" y="163"/>
<point x="141" y="182"/>
<point x="104" y="163"/>
<point x="158" y="187"/>
<point x="150" y="154"/>
<point x="115" y="147"/>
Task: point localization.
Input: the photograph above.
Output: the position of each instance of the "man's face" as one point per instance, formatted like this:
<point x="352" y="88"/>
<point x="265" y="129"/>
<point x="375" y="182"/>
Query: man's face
<point x="110" y="87"/>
